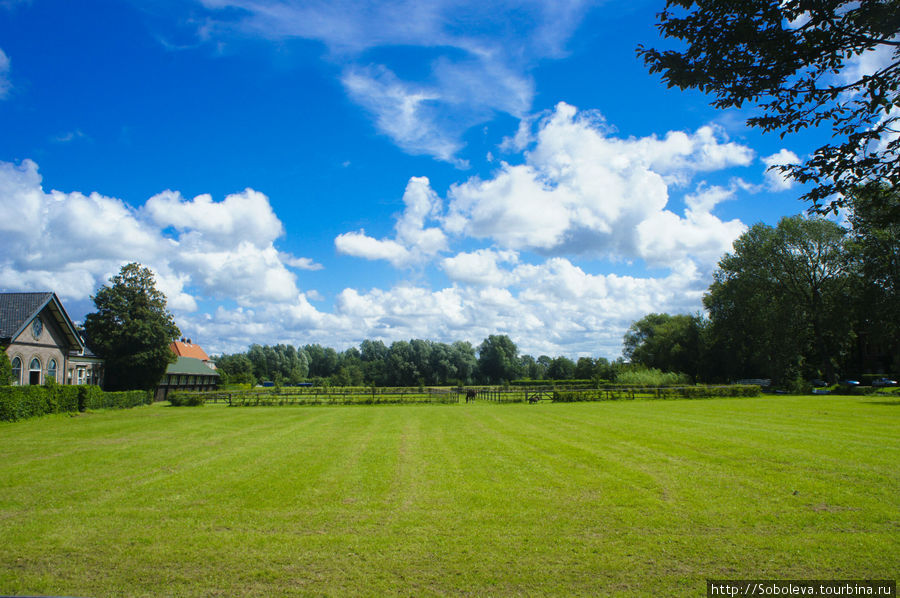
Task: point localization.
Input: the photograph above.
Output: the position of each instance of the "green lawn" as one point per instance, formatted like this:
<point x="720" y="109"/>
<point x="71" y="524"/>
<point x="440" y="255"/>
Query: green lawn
<point x="619" y="498"/>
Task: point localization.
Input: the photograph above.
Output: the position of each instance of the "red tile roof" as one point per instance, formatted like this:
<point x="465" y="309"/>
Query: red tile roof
<point x="182" y="349"/>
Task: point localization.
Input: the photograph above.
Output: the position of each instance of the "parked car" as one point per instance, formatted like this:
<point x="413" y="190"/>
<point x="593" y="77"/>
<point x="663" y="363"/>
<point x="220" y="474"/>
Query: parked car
<point x="884" y="382"/>
<point x="818" y="383"/>
<point x="850" y="382"/>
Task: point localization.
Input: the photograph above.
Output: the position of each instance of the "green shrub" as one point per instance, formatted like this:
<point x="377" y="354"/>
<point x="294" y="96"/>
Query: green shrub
<point x="677" y="392"/>
<point x="186" y="399"/>
<point x="22" y="402"/>
<point x="5" y="368"/>
<point x="651" y="377"/>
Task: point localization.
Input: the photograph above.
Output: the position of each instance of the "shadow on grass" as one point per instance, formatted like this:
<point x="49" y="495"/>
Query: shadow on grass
<point x="888" y="402"/>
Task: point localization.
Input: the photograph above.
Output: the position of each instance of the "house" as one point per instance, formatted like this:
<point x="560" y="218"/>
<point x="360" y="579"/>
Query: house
<point x="42" y="342"/>
<point x="192" y="370"/>
<point x="185" y="348"/>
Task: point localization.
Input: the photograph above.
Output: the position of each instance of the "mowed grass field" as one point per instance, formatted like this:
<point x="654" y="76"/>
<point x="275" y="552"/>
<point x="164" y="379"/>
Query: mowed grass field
<point x="643" y="498"/>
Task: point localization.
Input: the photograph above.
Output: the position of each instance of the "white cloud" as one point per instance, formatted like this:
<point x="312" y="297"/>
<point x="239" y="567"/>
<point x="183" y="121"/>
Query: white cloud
<point x="582" y="190"/>
<point x="358" y="244"/>
<point x="414" y="242"/>
<point x="72" y="243"/>
<point x="476" y="65"/>
<point x="301" y="263"/>
<point x="775" y="179"/>
<point x="404" y="112"/>
<point x="5" y="85"/>
<point x="241" y="217"/>
<point x="553" y="308"/>
<point x="480" y="267"/>
<point x="868" y="63"/>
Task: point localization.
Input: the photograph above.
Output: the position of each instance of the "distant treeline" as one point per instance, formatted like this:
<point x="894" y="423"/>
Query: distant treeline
<point x="406" y="363"/>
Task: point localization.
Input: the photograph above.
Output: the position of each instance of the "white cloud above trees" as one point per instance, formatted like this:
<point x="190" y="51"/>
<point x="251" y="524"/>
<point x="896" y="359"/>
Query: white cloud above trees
<point x="513" y="247"/>
<point x="414" y="242"/>
<point x="198" y="248"/>
<point x="583" y="191"/>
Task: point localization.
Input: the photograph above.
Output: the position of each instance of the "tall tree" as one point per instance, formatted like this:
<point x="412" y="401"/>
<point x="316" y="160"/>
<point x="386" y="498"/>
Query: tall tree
<point x="561" y="368"/>
<point x="778" y="305"/>
<point x="801" y="63"/>
<point x="464" y="361"/>
<point x="131" y="330"/>
<point x="498" y="359"/>
<point x="665" y="342"/>
<point x="875" y="247"/>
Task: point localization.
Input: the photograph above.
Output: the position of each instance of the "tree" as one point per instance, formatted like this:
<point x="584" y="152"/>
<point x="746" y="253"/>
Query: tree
<point x="401" y="365"/>
<point x="497" y="359"/>
<point x="5" y="368"/>
<point x="464" y="361"/>
<point x="323" y="361"/>
<point x="561" y="368"/>
<point x="875" y="249"/>
<point x="779" y="304"/>
<point x="794" y="59"/>
<point x="665" y="342"/>
<point x="237" y="369"/>
<point x="132" y="330"/>
<point x="585" y="368"/>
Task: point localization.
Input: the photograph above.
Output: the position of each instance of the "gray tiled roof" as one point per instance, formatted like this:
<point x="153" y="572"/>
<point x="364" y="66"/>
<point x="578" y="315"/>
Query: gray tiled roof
<point x="17" y="308"/>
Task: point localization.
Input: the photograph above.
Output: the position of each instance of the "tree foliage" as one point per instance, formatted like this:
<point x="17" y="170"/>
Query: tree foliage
<point x="875" y="248"/>
<point x="131" y="330"/>
<point x="798" y="62"/>
<point x="498" y="359"/>
<point x="665" y="342"/>
<point x="5" y="368"/>
<point x="779" y="303"/>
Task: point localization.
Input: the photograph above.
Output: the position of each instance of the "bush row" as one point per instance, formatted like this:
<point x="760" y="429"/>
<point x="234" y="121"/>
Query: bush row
<point x="186" y="399"/>
<point x="676" y="392"/>
<point x="573" y="383"/>
<point x="22" y="402"/>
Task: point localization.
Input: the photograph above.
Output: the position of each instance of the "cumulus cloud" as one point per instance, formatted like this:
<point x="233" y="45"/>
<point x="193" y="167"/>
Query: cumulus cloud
<point x="414" y="242"/>
<point x="72" y="243"/>
<point x="480" y="267"/>
<point x="553" y="307"/>
<point x="775" y="179"/>
<point x="582" y="190"/>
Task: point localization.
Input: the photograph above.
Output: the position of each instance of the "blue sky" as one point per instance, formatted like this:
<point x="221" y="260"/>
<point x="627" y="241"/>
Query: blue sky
<point x="327" y="172"/>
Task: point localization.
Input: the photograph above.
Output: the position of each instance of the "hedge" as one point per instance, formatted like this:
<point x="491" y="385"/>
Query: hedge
<point x="572" y="383"/>
<point x="22" y="402"/>
<point x="675" y="392"/>
<point x="186" y="399"/>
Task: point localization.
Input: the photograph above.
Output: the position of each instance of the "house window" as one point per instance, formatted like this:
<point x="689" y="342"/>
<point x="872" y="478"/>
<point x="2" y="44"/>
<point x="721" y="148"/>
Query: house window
<point x="17" y="371"/>
<point x="34" y="372"/>
<point x="80" y="375"/>
<point x="51" y="370"/>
